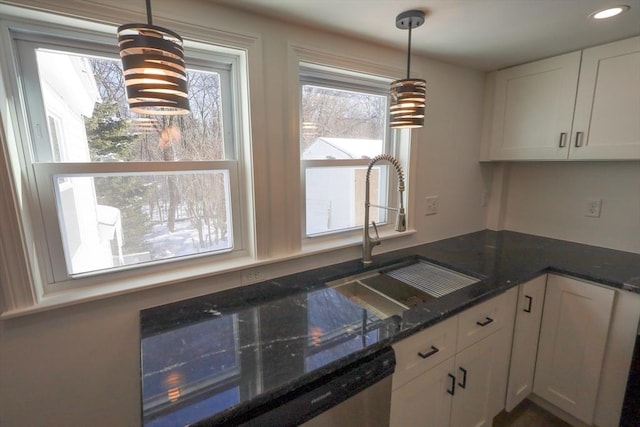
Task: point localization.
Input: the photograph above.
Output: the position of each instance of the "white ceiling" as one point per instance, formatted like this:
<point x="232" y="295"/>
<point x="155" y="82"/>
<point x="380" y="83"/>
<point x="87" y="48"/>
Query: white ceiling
<point x="483" y="34"/>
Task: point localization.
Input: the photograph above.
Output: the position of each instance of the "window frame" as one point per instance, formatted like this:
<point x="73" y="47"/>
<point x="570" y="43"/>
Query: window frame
<point x="49" y="274"/>
<point x="333" y="77"/>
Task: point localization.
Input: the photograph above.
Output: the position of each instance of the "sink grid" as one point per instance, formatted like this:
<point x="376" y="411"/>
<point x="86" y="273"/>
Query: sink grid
<point x="435" y="280"/>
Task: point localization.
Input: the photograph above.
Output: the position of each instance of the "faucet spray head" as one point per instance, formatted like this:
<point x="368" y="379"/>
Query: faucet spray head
<point x="401" y="221"/>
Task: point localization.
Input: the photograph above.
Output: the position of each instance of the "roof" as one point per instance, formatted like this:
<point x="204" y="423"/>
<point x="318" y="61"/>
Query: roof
<point x="343" y="148"/>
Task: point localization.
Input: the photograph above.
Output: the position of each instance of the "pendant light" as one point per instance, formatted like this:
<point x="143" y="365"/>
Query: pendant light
<point x="154" y="69"/>
<point x="408" y="96"/>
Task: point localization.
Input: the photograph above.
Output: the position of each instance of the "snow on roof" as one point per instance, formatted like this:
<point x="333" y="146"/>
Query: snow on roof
<point x="343" y="148"/>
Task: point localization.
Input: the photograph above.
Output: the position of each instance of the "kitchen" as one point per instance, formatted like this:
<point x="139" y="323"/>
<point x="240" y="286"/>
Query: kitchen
<point x="79" y="363"/>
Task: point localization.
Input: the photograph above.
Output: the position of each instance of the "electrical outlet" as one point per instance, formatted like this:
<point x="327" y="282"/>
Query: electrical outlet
<point x="251" y="276"/>
<point x="431" y="205"/>
<point x="593" y="208"/>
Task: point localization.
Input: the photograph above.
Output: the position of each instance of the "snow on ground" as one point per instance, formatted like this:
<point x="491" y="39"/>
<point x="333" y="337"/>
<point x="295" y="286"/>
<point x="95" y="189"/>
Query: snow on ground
<point x="183" y="241"/>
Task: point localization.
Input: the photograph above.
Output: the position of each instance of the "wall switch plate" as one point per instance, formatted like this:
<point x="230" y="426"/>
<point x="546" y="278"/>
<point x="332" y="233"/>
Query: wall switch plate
<point x="593" y="208"/>
<point x="431" y="205"/>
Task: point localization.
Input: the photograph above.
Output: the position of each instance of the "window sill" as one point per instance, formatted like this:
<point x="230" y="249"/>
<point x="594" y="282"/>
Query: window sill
<point x="78" y="295"/>
<point x="75" y="296"/>
<point x="312" y="246"/>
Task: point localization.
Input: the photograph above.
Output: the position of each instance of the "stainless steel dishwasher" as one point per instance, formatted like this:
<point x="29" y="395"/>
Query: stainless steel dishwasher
<point x="357" y="396"/>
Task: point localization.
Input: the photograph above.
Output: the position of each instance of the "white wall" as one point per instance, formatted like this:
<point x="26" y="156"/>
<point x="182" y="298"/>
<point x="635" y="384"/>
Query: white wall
<point x="79" y="365"/>
<point x="549" y="198"/>
<point x="448" y="155"/>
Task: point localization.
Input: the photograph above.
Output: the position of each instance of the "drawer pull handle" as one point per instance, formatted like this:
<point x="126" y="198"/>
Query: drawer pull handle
<point x="485" y="323"/>
<point x="463" y="384"/>
<point x="579" y="139"/>
<point x="452" y="392"/>
<point x="563" y="140"/>
<point x="431" y="352"/>
<point x="529" y="299"/>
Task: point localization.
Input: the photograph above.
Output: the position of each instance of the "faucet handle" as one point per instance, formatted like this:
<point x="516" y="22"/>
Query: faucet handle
<point x="375" y="228"/>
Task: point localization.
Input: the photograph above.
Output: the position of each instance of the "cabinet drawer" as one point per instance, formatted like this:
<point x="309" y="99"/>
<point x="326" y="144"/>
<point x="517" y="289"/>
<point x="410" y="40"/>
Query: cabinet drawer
<point x="482" y="320"/>
<point x="424" y="350"/>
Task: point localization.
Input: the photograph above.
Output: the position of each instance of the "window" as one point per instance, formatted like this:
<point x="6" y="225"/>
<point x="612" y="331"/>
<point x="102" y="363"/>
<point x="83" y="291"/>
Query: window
<point x="114" y="189"/>
<point x="343" y="126"/>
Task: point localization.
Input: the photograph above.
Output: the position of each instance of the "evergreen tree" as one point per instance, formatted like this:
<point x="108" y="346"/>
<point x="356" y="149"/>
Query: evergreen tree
<point x="108" y="134"/>
<point x="110" y="139"/>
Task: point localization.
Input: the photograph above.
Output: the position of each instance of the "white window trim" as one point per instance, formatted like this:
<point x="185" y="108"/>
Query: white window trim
<point x="23" y="281"/>
<point x="278" y="253"/>
<point x="56" y="264"/>
<point x="403" y="148"/>
<point x="323" y="76"/>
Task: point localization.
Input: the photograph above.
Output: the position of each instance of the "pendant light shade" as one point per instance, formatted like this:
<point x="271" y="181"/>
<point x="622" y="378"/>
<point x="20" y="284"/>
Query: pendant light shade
<point x="154" y="68"/>
<point x="408" y="96"/>
<point x="408" y="102"/>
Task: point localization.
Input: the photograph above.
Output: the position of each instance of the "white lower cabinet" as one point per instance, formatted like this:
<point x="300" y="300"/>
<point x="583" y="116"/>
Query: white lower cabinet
<point x="572" y="348"/>
<point x="573" y="338"/>
<point x="567" y="341"/>
<point x="468" y="388"/>
<point x="425" y="400"/>
<point x="475" y="367"/>
<point x="525" y="340"/>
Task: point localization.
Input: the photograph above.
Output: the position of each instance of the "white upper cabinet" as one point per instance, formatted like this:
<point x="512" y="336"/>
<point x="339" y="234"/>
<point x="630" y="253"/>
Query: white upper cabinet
<point x="534" y="108"/>
<point x="607" y="116"/>
<point x="582" y="105"/>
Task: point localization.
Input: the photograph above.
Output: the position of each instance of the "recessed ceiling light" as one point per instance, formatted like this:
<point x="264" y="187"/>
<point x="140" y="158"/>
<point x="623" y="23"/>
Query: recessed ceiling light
<point x="609" y="12"/>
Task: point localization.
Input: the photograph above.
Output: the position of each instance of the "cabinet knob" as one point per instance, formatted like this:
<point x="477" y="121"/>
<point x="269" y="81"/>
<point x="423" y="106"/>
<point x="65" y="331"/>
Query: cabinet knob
<point x="579" y="136"/>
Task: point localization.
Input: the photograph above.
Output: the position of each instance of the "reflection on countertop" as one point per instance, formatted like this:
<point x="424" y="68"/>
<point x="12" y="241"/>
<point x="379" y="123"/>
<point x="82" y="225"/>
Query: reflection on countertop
<point x="222" y="356"/>
<point x="198" y="369"/>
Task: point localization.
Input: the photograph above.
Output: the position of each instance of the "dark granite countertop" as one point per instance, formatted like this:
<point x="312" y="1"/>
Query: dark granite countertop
<point x="224" y="356"/>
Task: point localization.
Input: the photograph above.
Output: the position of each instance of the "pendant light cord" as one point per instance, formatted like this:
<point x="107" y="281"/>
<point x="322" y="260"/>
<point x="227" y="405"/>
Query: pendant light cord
<point x="149" y="20"/>
<point x="408" y="52"/>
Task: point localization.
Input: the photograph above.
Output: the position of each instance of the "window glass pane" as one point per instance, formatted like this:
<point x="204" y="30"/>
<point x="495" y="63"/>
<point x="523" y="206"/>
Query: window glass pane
<point x="341" y="124"/>
<point x="335" y="197"/>
<point x="86" y="95"/>
<point x="110" y="220"/>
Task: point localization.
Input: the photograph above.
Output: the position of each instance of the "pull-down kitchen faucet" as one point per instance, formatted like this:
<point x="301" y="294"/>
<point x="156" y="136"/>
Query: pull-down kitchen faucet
<point x="369" y="242"/>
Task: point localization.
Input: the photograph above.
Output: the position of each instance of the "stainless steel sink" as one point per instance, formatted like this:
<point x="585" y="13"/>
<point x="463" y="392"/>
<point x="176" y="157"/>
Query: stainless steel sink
<point x="391" y="290"/>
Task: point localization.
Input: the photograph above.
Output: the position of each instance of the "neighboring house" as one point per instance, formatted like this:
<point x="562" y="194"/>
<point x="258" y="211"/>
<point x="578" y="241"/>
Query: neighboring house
<point x="70" y="94"/>
<point x="337" y="199"/>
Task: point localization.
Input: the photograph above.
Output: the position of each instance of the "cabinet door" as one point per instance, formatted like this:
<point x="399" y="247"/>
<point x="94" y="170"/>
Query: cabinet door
<point x="424" y="350"/>
<point x="425" y="401"/>
<point x="608" y="103"/>
<point x="533" y="109"/>
<point x="525" y="340"/>
<point x="502" y="354"/>
<point x="575" y="324"/>
<point x="474" y="366"/>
